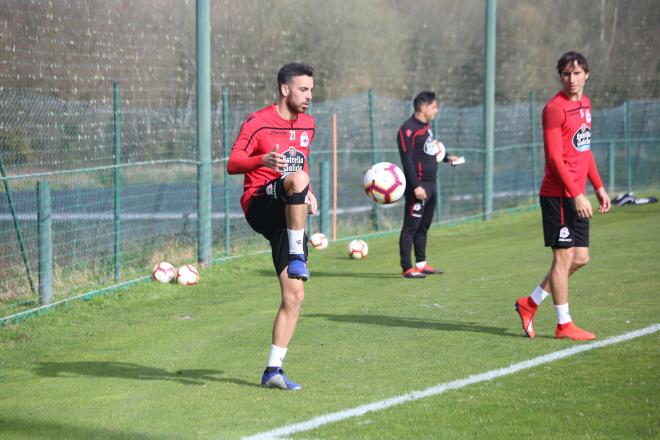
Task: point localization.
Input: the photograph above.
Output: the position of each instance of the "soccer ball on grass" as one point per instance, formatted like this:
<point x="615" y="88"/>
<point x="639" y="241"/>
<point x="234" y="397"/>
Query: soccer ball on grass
<point x="187" y="275"/>
<point x="163" y="272"/>
<point x="318" y="240"/>
<point x="358" y="249"/>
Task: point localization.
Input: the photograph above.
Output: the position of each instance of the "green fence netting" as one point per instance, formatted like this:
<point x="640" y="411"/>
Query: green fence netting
<point x="60" y="62"/>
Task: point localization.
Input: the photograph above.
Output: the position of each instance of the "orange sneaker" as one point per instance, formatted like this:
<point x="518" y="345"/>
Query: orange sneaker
<point x="526" y="309"/>
<point x="573" y="332"/>
<point x="428" y="270"/>
<point x="413" y="273"/>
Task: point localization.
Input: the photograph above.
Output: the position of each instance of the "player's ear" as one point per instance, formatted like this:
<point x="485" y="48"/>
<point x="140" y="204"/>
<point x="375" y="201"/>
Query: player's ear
<point x="284" y="90"/>
<point x="586" y="75"/>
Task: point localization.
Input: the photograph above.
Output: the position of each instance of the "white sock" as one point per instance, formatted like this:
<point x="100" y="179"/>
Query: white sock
<point x="538" y="295"/>
<point x="276" y="356"/>
<point x="420" y="264"/>
<point x="296" y="241"/>
<point x="563" y="316"/>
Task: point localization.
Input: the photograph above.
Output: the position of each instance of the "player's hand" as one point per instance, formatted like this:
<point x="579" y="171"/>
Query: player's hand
<point x="583" y="206"/>
<point x="312" y="204"/>
<point x="420" y="193"/>
<point x="604" y="203"/>
<point x="451" y="160"/>
<point x="275" y="160"/>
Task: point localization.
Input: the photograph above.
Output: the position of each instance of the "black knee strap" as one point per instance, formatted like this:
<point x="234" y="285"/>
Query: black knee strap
<point x="298" y="198"/>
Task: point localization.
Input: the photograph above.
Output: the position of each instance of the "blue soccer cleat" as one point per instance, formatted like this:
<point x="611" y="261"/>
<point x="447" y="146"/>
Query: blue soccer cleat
<point x="297" y="268"/>
<point x="277" y="379"/>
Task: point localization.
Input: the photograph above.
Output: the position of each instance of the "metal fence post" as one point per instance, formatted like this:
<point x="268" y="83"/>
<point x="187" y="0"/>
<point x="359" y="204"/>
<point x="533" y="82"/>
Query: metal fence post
<point x="117" y="181"/>
<point x="204" y="182"/>
<point x="535" y="137"/>
<point x="324" y="199"/>
<point x="375" y="213"/>
<point x="627" y="127"/>
<point x="45" y="243"/>
<point x="610" y="167"/>
<point x="489" y="108"/>
<point x="226" y="152"/>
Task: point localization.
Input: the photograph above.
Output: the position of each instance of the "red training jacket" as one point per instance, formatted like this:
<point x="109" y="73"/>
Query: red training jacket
<point x="260" y="133"/>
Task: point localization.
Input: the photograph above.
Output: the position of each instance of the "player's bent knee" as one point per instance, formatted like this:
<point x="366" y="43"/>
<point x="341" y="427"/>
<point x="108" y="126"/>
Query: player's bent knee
<point x="294" y="300"/>
<point x="296" y="182"/>
<point x="581" y="261"/>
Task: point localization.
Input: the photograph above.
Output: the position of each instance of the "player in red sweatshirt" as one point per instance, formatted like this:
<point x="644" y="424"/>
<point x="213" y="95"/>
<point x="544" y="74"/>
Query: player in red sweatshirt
<point x="565" y="208"/>
<point x="272" y="151"/>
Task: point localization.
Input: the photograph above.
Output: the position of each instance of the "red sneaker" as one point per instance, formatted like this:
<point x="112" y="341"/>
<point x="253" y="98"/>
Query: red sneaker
<point x="573" y="332"/>
<point x="526" y="309"/>
<point x="428" y="270"/>
<point x="413" y="273"/>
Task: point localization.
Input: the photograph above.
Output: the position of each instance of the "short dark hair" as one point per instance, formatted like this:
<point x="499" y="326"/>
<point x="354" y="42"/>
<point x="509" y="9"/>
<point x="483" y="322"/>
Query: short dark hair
<point x="288" y="71"/>
<point x="422" y="98"/>
<point x="569" y="59"/>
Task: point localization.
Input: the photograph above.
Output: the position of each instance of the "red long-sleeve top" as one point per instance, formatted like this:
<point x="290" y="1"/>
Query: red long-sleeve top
<point x="567" y="145"/>
<point x="260" y="133"/>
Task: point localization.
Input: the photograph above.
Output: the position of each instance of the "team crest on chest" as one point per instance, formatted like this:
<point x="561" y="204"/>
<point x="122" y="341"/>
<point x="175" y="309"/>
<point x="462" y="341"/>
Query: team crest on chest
<point x="582" y="138"/>
<point x="304" y="140"/>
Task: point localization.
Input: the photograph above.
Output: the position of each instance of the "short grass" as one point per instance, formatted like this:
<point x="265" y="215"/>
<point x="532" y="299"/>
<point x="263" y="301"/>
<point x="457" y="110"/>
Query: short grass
<point x="168" y="362"/>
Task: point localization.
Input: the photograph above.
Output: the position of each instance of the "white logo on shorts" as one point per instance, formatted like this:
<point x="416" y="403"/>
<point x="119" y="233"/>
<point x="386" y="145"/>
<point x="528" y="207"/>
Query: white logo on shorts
<point x="564" y="234"/>
<point x="416" y="208"/>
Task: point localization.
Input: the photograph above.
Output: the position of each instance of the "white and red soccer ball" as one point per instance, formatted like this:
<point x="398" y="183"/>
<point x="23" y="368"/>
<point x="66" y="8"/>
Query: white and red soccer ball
<point x="358" y="249"/>
<point x="187" y="275"/>
<point x="441" y="151"/>
<point x="384" y="183"/>
<point x="163" y="272"/>
<point x="318" y="240"/>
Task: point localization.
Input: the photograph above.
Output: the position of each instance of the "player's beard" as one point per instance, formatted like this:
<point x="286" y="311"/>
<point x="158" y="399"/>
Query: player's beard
<point x="297" y="108"/>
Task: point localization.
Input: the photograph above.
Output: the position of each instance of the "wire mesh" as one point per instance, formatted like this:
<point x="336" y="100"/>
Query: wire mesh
<point x="59" y="60"/>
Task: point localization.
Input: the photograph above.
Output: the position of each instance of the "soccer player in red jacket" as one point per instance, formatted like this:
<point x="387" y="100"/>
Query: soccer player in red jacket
<point x="564" y="206"/>
<point x="272" y="151"/>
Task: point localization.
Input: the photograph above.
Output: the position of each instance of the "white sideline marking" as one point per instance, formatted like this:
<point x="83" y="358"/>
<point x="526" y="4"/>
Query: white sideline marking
<point x="441" y="388"/>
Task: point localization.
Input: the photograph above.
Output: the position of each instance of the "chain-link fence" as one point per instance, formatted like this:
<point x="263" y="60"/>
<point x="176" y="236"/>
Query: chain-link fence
<point x="113" y="216"/>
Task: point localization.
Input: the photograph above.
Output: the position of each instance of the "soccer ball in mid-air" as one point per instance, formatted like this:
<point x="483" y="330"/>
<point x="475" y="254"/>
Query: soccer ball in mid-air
<point x="318" y="240"/>
<point x="358" y="249"/>
<point x="163" y="272"/>
<point x="384" y="183"/>
<point x="187" y="275"/>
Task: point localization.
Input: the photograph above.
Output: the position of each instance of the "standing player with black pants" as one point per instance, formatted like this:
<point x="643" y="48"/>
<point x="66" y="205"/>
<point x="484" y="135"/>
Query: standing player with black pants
<point x="418" y="150"/>
<point x="565" y="208"/>
<point x="272" y="151"/>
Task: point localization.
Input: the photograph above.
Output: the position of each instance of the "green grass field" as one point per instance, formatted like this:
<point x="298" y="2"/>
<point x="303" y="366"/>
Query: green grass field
<point x="170" y="362"/>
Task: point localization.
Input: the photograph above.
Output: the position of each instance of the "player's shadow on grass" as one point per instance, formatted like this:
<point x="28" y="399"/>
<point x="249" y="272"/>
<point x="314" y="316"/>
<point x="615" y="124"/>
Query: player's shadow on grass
<point x="125" y="370"/>
<point x="394" y="321"/>
<point x="375" y="275"/>
<point x="32" y="427"/>
<point x="323" y="273"/>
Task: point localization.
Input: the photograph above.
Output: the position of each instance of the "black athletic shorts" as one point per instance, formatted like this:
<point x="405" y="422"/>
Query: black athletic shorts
<point x="562" y="228"/>
<point x="265" y="214"/>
